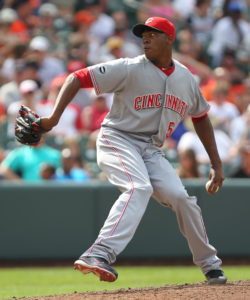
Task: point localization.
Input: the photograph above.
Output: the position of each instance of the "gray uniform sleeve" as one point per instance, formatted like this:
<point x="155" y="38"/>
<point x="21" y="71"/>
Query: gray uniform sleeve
<point x="109" y="77"/>
<point x="199" y="106"/>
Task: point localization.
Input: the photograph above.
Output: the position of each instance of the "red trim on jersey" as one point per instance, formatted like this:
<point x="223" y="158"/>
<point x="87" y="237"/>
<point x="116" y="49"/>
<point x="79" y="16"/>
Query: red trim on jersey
<point x="168" y="71"/>
<point x="92" y="75"/>
<point x="201" y="114"/>
<point x="197" y="120"/>
<point x="84" y="77"/>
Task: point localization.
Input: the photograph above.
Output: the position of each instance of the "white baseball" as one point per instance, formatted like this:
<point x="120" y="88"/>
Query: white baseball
<point x="208" y="185"/>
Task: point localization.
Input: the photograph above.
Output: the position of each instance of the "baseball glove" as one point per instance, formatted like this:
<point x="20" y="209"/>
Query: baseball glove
<point x="28" y="129"/>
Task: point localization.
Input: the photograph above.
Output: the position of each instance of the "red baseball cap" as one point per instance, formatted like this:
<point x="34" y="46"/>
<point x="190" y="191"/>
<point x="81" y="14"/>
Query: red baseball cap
<point x="157" y="23"/>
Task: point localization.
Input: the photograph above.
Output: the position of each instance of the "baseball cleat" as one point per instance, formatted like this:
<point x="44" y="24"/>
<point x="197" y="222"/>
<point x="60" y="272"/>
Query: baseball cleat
<point x="216" y="277"/>
<point x="96" y="265"/>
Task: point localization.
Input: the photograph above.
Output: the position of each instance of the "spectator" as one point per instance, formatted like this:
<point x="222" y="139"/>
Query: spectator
<point x="70" y="170"/>
<point x="184" y="7"/>
<point x="7" y="17"/>
<point x="17" y="53"/>
<point x="93" y="115"/>
<point x="244" y="169"/>
<point x="47" y="171"/>
<point x="49" y="67"/>
<point x="86" y="43"/>
<point x="188" y="53"/>
<point x="240" y="124"/>
<point x="47" y="13"/>
<point x="227" y="3"/>
<point x="31" y="72"/>
<point x="218" y="8"/>
<point x="27" y="89"/>
<point x="201" y="22"/>
<point x="23" y="163"/>
<point x="112" y="49"/>
<point x="237" y="85"/>
<point x="54" y="28"/>
<point x="234" y="78"/>
<point x="228" y="33"/>
<point x="78" y="49"/>
<point x="221" y="111"/>
<point x="131" y="45"/>
<point x="2" y="114"/>
<point x="26" y="70"/>
<point x="187" y="45"/>
<point x="9" y="92"/>
<point x="189" y="141"/>
<point x="103" y="25"/>
<point x="243" y="53"/>
<point x="93" y="25"/>
<point x="23" y="25"/>
<point x="188" y="165"/>
<point x="2" y="154"/>
<point x="118" y="46"/>
<point x="70" y="125"/>
<point x="242" y="101"/>
<point x="160" y="8"/>
<point x="218" y="74"/>
<point x="83" y="20"/>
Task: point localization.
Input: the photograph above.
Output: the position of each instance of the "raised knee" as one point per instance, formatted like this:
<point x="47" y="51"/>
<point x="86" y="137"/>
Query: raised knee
<point x="146" y="189"/>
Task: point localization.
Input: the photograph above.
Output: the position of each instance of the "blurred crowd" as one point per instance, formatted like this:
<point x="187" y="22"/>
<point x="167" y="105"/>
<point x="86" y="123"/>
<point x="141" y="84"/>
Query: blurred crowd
<point x="41" y="42"/>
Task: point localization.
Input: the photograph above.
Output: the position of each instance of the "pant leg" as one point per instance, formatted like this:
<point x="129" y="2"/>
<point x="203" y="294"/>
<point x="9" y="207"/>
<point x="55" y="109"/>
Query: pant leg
<point x="123" y="165"/>
<point x="169" y="191"/>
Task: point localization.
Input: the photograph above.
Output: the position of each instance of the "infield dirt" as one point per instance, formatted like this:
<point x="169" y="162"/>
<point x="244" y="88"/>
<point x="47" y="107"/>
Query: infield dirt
<point x="233" y="290"/>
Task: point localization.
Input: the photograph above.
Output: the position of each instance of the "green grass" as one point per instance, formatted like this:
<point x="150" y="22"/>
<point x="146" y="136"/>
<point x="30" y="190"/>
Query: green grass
<point x="28" y="282"/>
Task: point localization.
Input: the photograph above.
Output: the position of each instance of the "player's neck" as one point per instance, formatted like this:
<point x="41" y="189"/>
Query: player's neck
<point x="163" y="62"/>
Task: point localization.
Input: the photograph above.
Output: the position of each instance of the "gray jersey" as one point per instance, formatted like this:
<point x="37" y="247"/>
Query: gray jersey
<point x="146" y="101"/>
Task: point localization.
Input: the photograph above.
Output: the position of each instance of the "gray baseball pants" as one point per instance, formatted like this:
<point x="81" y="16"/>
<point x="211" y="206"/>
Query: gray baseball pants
<point x="139" y="169"/>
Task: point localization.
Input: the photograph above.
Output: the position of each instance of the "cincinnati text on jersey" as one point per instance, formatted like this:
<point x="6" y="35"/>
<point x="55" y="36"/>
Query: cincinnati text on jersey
<point x="155" y="100"/>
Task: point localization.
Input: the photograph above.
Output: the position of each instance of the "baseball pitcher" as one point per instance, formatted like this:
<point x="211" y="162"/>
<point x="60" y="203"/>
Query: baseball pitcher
<point x="153" y="93"/>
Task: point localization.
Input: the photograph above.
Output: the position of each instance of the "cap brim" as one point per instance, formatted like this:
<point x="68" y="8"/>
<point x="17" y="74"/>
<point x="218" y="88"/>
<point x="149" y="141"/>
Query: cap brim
<point x="140" y="28"/>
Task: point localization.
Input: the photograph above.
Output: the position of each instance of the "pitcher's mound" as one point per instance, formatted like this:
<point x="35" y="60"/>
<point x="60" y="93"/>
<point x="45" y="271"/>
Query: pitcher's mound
<point x="233" y="290"/>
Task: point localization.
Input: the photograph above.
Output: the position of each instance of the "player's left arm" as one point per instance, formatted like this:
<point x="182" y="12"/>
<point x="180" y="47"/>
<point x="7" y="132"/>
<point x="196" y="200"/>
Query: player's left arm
<point x="205" y="132"/>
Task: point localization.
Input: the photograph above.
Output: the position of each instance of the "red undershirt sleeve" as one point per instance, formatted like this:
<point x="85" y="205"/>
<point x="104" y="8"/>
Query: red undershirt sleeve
<point x="196" y="120"/>
<point x="84" y="77"/>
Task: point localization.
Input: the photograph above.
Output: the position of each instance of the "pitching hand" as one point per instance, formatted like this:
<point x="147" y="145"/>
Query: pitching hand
<point x="216" y="177"/>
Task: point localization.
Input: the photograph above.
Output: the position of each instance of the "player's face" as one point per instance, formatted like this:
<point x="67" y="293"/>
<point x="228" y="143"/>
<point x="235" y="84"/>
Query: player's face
<point x="156" y="46"/>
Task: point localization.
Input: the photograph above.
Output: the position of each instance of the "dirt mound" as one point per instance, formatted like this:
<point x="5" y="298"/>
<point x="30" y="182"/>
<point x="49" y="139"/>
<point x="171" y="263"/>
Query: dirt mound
<point x="236" y="290"/>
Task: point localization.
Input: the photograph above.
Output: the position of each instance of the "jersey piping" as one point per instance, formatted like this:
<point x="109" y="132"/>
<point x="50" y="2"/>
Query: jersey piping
<point x="92" y="75"/>
<point x="131" y="189"/>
